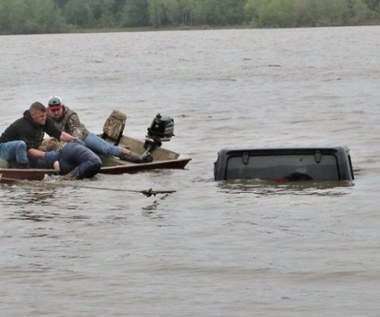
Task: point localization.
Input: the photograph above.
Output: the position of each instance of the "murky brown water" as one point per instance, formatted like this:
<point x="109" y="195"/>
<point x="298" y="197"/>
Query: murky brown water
<point x="210" y="249"/>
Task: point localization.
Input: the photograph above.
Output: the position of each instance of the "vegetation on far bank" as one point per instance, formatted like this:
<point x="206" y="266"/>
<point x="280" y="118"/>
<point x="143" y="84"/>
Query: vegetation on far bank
<point x="55" y="16"/>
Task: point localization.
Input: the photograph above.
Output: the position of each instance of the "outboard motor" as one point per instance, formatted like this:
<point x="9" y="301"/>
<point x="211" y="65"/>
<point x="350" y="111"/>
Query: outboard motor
<point x="161" y="130"/>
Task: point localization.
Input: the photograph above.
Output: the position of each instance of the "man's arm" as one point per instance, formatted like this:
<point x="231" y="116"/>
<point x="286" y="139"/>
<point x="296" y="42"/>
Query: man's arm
<point x="38" y="154"/>
<point x="35" y="153"/>
<point x="65" y="137"/>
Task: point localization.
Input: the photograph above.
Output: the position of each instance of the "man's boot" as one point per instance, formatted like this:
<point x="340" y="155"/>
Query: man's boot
<point x="133" y="157"/>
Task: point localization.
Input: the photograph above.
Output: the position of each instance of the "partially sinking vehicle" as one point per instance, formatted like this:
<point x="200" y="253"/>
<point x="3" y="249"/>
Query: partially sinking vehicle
<point x="285" y="164"/>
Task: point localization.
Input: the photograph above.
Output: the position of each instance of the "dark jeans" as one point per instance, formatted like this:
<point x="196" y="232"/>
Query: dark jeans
<point x="76" y="159"/>
<point x="79" y="160"/>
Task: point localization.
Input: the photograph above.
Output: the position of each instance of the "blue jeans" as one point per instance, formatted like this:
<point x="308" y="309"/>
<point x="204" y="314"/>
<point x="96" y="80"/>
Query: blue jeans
<point x="78" y="160"/>
<point x="14" y="152"/>
<point x="101" y="146"/>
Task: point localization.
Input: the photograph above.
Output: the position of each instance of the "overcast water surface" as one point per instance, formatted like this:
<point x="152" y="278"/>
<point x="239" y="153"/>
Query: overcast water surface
<point x="211" y="248"/>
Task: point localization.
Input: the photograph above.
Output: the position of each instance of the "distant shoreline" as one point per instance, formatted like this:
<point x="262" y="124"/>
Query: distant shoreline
<point x="180" y="28"/>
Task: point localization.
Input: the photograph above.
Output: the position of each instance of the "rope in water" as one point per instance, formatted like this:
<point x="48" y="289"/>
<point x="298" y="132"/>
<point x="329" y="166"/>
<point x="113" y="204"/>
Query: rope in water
<point x="147" y="192"/>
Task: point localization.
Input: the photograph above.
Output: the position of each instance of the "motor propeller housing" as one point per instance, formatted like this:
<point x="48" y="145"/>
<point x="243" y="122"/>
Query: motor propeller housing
<point x="160" y="130"/>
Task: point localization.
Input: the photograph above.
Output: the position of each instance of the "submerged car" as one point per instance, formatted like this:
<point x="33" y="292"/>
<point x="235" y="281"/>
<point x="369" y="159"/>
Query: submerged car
<point x="285" y="164"/>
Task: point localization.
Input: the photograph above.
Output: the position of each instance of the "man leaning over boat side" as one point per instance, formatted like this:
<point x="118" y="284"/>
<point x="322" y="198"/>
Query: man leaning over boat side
<point x="20" y="141"/>
<point x="67" y="120"/>
<point x="76" y="160"/>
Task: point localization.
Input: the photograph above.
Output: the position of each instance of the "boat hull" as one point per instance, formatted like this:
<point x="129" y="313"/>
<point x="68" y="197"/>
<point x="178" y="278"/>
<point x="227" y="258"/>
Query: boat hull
<point x="140" y="167"/>
<point x="32" y="174"/>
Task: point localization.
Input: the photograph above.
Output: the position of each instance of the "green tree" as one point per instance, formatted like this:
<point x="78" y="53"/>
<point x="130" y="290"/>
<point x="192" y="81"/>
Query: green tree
<point x="157" y="13"/>
<point x="373" y="4"/>
<point x="277" y="13"/>
<point x="252" y="10"/>
<point x="90" y="13"/>
<point x="44" y="17"/>
<point x="174" y="12"/>
<point x="233" y="11"/>
<point x="219" y="12"/>
<point x="5" y="19"/>
<point x="104" y="13"/>
<point x="207" y="12"/>
<point x="186" y="8"/>
<point x="79" y="13"/>
<point x="135" y="13"/>
<point x="60" y="3"/>
<point x="306" y="13"/>
<point x="38" y="16"/>
<point x="358" y="12"/>
<point x="332" y="12"/>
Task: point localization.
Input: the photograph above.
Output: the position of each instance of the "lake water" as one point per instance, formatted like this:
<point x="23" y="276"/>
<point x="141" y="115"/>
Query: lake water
<point x="211" y="248"/>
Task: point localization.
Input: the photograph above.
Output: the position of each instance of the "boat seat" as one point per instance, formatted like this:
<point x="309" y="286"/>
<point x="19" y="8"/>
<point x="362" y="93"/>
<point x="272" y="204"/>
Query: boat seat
<point x="113" y="127"/>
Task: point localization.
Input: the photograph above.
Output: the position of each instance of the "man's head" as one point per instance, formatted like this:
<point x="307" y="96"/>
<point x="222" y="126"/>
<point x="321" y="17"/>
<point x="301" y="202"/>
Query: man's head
<point x="38" y="112"/>
<point x="55" y="107"/>
<point x="50" y="144"/>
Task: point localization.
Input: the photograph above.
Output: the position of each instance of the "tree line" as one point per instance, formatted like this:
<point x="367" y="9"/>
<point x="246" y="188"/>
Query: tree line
<point x="53" y="16"/>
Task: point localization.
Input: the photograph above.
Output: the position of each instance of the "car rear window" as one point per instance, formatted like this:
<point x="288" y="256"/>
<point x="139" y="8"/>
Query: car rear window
<point x="292" y="167"/>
